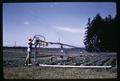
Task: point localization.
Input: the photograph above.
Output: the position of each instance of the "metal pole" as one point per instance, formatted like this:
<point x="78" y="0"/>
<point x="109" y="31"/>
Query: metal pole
<point x="15" y="44"/>
<point x="35" y="53"/>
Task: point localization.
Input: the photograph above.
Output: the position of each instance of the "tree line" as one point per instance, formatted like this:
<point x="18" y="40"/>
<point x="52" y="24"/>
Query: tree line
<point x="101" y="34"/>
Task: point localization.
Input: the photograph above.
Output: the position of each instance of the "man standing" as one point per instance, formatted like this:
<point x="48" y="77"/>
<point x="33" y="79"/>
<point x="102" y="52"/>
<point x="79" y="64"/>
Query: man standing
<point x="29" y="51"/>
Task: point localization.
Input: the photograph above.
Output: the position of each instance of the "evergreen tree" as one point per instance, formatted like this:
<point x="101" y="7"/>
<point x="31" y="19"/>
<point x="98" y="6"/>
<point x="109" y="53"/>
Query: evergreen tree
<point x="92" y="38"/>
<point x="101" y="34"/>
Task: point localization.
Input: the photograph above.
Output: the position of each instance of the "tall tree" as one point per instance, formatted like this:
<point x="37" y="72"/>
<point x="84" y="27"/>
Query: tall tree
<point x="92" y="38"/>
<point x="100" y="34"/>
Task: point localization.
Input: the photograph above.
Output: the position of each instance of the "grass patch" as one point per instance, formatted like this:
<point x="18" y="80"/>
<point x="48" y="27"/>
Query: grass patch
<point x="56" y="73"/>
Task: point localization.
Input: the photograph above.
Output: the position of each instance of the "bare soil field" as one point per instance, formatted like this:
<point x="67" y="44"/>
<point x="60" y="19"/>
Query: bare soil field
<point x="14" y="68"/>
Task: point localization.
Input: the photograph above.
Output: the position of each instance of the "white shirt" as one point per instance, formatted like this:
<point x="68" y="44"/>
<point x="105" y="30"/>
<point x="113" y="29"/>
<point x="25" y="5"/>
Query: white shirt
<point x="28" y="49"/>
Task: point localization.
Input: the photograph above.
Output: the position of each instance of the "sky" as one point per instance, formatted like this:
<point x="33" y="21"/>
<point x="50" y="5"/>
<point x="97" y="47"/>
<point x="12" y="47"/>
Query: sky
<point x="56" y="21"/>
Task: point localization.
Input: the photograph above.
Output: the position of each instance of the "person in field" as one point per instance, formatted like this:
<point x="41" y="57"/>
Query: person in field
<point x="29" y="51"/>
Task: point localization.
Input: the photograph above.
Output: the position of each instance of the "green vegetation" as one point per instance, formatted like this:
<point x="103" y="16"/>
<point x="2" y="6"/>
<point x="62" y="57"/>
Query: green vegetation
<point x="14" y="68"/>
<point x="101" y="34"/>
<point x="56" y="73"/>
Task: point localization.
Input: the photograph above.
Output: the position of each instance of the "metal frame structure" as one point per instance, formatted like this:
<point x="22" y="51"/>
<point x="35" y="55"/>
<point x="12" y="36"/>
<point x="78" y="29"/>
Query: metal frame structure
<point x="40" y="41"/>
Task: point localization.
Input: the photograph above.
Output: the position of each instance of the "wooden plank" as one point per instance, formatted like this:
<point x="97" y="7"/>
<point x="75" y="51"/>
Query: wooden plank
<point x="75" y="66"/>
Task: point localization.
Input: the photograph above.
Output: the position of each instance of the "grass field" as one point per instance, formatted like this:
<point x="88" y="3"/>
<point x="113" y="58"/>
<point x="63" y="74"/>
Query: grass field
<point x="56" y="73"/>
<point x="13" y="66"/>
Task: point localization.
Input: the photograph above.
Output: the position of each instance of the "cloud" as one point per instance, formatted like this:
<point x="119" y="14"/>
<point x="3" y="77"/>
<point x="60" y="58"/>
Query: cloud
<point x="26" y="23"/>
<point x="72" y="30"/>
